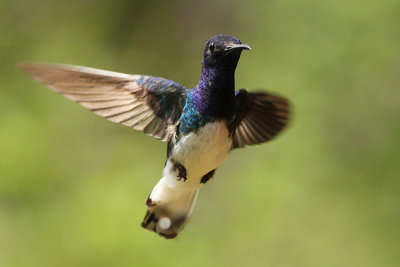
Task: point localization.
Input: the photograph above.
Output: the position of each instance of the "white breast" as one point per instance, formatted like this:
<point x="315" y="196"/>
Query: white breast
<point x="200" y="153"/>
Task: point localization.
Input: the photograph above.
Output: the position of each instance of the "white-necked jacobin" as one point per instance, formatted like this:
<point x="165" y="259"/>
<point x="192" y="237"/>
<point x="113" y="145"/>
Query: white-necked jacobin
<point x="201" y="125"/>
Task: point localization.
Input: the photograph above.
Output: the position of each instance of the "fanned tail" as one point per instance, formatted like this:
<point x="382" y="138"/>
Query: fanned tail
<point x="168" y="209"/>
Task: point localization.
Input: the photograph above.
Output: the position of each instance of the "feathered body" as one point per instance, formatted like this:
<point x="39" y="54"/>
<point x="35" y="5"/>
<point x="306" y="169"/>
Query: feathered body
<point x="201" y="125"/>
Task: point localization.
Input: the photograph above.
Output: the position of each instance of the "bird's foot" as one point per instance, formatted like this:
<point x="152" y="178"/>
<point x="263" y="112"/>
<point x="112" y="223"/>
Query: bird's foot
<point x="181" y="171"/>
<point x="207" y="177"/>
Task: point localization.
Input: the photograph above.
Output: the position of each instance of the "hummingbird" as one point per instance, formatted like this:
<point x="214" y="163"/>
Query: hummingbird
<point x="200" y="125"/>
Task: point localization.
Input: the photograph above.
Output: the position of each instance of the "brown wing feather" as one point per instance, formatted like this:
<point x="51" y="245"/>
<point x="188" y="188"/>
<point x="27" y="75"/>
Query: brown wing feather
<point x="260" y="117"/>
<point x="116" y="96"/>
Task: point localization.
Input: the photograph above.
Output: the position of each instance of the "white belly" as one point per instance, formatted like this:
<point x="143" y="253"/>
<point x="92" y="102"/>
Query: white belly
<point x="199" y="153"/>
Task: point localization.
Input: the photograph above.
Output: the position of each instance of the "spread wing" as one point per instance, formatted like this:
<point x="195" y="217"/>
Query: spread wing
<point x="260" y="117"/>
<point x="142" y="102"/>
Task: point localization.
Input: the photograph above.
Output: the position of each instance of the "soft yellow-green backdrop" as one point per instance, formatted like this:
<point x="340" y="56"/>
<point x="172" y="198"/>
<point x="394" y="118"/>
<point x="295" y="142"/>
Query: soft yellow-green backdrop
<point x="325" y="193"/>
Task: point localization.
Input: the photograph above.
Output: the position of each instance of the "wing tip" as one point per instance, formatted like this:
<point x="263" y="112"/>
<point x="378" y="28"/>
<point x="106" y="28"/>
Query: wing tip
<point x="38" y="69"/>
<point x="26" y="66"/>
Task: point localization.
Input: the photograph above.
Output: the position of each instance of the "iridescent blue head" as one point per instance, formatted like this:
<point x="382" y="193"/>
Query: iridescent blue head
<point x="214" y="94"/>
<point x="223" y="51"/>
<point x="221" y="55"/>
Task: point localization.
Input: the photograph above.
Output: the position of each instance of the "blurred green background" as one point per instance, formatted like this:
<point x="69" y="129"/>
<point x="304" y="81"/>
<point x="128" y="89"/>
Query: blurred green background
<point x="326" y="193"/>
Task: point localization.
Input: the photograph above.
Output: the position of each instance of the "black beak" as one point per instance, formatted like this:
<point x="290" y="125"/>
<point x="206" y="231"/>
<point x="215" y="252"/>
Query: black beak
<point x="237" y="46"/>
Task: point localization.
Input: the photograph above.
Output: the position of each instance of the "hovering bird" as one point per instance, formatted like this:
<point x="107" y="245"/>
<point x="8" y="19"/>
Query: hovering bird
<point x="201" y="125"/>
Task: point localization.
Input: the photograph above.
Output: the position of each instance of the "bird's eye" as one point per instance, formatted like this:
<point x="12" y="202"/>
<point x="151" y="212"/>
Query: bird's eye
<point x="211" y="47"/>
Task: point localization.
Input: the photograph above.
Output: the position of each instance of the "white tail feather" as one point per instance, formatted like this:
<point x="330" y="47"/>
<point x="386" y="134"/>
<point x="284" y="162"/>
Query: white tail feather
<point x="169" y="209"/>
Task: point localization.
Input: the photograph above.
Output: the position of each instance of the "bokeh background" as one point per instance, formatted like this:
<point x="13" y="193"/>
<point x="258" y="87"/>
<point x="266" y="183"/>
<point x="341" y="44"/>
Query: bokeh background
<point x="325" y="193"/>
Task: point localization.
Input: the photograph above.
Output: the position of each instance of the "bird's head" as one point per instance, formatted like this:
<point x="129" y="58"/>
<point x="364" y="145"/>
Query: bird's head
<point x="223" y="51"/>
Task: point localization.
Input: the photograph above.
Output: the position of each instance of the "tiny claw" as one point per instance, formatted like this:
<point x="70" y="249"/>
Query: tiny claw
<point x="181" y="171"/>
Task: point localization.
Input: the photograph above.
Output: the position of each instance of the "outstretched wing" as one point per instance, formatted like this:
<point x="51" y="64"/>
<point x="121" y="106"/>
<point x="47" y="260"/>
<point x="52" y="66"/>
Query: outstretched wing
<point x="142" y="102"/>
<point x="260" y="117"/>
